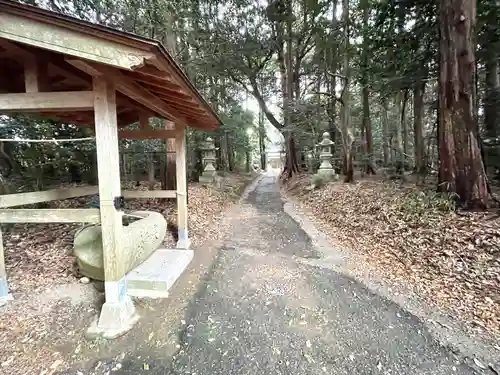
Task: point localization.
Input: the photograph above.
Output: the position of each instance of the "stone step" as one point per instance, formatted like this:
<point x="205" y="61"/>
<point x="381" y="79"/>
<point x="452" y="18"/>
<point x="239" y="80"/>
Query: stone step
<point x="154" y="277"/>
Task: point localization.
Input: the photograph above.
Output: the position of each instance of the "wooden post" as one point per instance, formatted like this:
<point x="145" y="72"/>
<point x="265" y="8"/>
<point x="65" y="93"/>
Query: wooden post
<point x="4" y="286"/>
<point x="118" y="312"/>
<point x="35" y="76"/>
<point x="151" y="171"/>
<point x="182" y="215"/>
<point x="170" y="162"/>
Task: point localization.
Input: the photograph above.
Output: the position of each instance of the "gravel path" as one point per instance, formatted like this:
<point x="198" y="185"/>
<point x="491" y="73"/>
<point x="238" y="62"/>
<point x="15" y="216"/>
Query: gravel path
<point x="266" y="309"/>
<point x="262" y="312"/>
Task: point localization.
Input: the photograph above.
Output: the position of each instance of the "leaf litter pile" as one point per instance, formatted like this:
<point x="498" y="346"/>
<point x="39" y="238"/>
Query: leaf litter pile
<point x="39" y="262"/>
<point x="416" y="239"/>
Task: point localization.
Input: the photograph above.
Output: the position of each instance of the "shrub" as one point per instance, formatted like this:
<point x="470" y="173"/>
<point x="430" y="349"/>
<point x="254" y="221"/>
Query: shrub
<point x="319" y="181"/>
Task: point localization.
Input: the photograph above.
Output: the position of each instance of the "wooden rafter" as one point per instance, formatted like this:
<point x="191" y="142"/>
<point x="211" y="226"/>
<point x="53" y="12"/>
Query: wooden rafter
<point x="53" y="40"/>
<point x="151" y="71"/>
<point x="66" y="70"/>
<point x="158" y="81"/>
<point x="181" y="105"/>
<point x="130" y="88"/>
<point x="166" y="90"/>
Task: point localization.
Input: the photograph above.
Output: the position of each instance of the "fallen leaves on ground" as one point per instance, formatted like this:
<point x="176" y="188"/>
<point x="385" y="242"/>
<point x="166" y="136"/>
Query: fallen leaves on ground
<point x="415" y="239"/>
<point x="40" y="255"/>
<point x="40" y="329"/>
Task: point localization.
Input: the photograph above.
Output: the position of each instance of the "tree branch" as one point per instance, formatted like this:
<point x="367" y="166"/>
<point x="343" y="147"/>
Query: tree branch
<point x="336" y="75"/>
<point x="332" y="96"/>
<point x="262" y="103"/>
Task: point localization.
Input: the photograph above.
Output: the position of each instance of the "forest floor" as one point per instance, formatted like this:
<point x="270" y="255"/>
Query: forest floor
<point x="42" y="329"/>
<point x="410" y="237"/>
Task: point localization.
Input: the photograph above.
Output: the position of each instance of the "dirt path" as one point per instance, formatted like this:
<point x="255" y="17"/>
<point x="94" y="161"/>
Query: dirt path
<point x="264" y="311"/>
<point x="265" y="308"/>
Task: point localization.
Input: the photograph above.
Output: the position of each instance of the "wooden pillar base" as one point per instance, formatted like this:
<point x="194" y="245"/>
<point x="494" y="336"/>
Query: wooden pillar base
<point x="184" y="242"/>
<point x="4" y="286"/>
<point x="116" y="317"/>
<point x="5" y="296"/>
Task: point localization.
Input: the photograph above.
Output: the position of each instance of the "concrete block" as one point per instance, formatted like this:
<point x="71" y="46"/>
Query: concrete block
<point x="155" y="276"/>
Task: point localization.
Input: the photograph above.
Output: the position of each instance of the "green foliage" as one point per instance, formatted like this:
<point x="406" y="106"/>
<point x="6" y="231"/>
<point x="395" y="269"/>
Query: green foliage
<point x="421" y="203"/>
<point x="36" y="164"/>
<point x="235" y="48"/>
<point x="186" y="27"/>
<point x="319" y="181"/>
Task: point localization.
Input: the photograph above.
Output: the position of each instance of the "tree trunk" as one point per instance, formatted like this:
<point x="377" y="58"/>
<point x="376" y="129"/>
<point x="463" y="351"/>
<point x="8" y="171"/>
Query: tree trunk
<point x="367" y="126"/>
<point x="461" y="168"/>
<point x="220" y="161"/>
<point x="332" y="126"/>
<point x="332" y="79"/>
<point x="404" y="129"/>
<point x="366" y="122"/>
<point x="385" y="123"/>
<point x="418" y="128"/>
<point x="492" y="95"/>
<point x="262" y="141"/>
<point x="224" y="155"/>
<point x="492" y="105"/>
<point x="151" y="172"/>
<point x="347" y="137"/>
<point x="398" y="146"/>
<point x="291" y="164"/>
<point x="229" y="153"/>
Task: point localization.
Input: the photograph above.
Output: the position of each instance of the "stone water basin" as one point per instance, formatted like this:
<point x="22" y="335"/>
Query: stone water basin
<point x="140" y="238"/>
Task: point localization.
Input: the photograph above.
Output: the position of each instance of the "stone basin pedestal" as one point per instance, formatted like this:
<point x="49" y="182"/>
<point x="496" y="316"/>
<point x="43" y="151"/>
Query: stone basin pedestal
<point x="141" y="237"/>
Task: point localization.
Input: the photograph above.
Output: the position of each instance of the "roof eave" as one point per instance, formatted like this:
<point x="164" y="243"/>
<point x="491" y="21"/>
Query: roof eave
<point x="145" y="44"/>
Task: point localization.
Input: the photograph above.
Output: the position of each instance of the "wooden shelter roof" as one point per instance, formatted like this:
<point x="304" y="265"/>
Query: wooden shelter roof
<point x="67" y="52"/>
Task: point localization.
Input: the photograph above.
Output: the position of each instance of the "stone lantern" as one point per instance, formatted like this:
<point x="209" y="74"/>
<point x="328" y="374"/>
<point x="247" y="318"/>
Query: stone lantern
<point x="208" y="161"/>
<point x="325" y="156"/>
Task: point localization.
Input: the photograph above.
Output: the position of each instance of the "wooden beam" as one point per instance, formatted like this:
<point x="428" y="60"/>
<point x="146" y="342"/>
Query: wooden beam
<point x="21" y="199"/>
<point x="83" y="43"/>
<point x="146" y="134"/>
<point x="47" y="101"/>
<point x="131" y="89"/>
<point x="139" y="194"/>
<point x="88" y="215"/>
<point x="182" y="214"/>
<point x="82" y="118"/>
